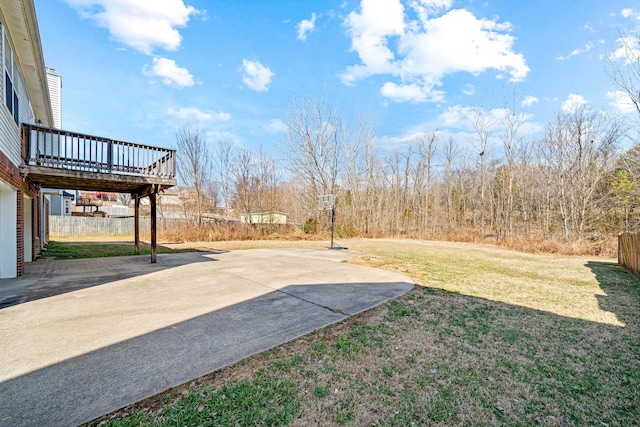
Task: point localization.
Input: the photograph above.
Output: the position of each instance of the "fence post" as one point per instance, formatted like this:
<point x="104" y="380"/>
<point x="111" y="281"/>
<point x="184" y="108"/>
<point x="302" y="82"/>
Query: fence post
<point x="620" y="260"/>
<point x="635" y="253"/>
<point x="110" y="155"/>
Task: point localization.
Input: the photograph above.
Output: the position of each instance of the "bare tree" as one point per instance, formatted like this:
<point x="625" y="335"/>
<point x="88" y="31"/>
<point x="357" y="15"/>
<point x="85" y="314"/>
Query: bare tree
<point x="194" y="166"/>
<point x="268" y="181"/>
<point x="124" y="198"/>
<point x="451" y="153"/>
<point x="427" y="145"/>
<point x="246" y="182"/>
<point x="577" y="152"/>
<point x="627" y="75"/>
<point x="482" y="124"/>
<point x="316" y="136"/>
<point x="224" y="170"/>
<point x="526" y="179"/>
<point x="624" y="69"/>
<point x="511" y="135"/>
<point x="359" y="152"/>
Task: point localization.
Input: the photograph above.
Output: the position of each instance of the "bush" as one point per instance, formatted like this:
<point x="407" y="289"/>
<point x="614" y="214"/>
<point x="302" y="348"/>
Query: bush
<point x="310" y="226"/>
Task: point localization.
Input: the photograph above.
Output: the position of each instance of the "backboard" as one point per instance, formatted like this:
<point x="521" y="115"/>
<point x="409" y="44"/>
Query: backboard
<point x="325" y="203"/>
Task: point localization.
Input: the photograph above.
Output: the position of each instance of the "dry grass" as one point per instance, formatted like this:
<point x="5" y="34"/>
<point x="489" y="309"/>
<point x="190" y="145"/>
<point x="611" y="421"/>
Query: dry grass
<point x="490" y="337"/>
<point x="567" y="286"/>
<point x="216" y="232"/>
<point x="172" y="232"/>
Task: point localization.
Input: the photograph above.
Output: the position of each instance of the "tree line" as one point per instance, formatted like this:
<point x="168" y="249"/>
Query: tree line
<point x="572" y="182"/>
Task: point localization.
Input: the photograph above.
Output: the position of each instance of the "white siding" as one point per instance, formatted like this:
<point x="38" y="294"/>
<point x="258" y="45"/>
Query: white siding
<point x="9" y="135"/>
<point x="54" y="82"/>
<point x="10" y="140"/>
<point x="26" y="112"/>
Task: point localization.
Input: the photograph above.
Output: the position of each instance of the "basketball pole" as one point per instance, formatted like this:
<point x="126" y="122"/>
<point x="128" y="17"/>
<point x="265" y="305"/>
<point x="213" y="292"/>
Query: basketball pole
<point x="333" y="217"/>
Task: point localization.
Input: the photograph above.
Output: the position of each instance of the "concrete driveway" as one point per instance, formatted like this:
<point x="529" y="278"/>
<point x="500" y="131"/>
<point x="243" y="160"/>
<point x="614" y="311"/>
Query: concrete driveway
<point x="126" y="329"/>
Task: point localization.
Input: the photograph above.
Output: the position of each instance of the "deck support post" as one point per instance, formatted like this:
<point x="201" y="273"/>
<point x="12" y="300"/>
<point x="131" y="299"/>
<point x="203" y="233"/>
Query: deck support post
<point x="153" y="200"/>
<point x="136" y="222"/>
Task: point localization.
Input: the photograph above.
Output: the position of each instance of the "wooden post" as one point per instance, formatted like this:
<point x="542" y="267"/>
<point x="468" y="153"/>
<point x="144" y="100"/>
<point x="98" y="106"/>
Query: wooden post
<point x="136" y="223"/>
<point x="152" y="198"/>
<point x="620" y="261"/>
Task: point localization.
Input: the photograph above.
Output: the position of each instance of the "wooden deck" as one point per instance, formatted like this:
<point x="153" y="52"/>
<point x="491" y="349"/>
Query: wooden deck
<point x="70" y="160"/>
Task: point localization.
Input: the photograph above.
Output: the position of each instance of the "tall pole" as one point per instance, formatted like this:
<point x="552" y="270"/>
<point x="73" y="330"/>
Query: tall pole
<point x="333" y="217"/>
<point x="136" y="223"/>
<point x="152" y="199"/>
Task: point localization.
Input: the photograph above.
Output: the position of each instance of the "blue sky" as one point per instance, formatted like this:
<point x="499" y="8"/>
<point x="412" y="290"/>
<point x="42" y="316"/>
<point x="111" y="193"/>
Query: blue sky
<point x="136" y="70"/>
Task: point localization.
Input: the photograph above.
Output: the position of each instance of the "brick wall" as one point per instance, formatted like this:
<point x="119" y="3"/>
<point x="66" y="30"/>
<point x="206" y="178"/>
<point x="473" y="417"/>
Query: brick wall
<point x="36" y="226"/>
<point x="10" y="173"/>
<point x="20" y="231"/>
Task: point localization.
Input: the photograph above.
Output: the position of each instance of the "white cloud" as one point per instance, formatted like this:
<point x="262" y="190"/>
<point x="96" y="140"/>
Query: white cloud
<point x="306" y="26"/>
<point x="587" y="47"/>
<point x="369" y="31"/>
<point x="455" y="116"/>
<point x="409" y="93"/>
<point x="421" y="52"/>
<point x="461" y="117"/>
<point x="141" y="24"/>
<point x="627" y="13"/>
<point x="573" y="103"/>
<point x="426" y="8"/>
<point x="620" y="101"/>
<point x="468" y="89"/>
<point x="276" y="126"/>
<point x="529" y="100"/>
<point x="628" y="49"/>
<point x="224" y="135"/>
<point x="170" y="73"/>
<point x="188" y="113"/>
<point x="256" y="76"/>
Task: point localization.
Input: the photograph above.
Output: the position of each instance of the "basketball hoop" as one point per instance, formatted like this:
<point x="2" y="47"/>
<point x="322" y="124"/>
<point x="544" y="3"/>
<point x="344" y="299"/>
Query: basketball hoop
<point x="325" y="203"/>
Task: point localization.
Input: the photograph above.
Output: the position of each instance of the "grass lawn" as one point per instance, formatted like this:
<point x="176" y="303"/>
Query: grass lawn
<point x="72" y="250"/>
<point x="488" y="337"/>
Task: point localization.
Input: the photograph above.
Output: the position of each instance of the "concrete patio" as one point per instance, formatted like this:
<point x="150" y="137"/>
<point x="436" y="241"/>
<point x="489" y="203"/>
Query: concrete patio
<point x="81" y="338"/>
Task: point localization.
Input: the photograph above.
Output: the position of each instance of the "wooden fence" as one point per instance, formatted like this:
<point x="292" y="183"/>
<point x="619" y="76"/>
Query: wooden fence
<point x="88" y="226"/>
<point x="629" y="252"/>
<point x="91" y="226"/>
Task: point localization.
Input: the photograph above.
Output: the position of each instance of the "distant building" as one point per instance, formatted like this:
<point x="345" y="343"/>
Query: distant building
<point x="53" y="202"/>
<point x="169" y="201"/>
<point x="270" y="217"/>
<point x="54" y="82"/>
<point x="59" y="201"/>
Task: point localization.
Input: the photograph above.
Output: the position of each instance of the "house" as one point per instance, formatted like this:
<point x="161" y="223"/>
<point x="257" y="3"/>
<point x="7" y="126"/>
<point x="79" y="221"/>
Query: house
<point x="34" y="155"/>
<point x="270" y="217"/>
<point x="52" y="202"/>
<point x="59" y="201"/>
<point x="25" y="99"/>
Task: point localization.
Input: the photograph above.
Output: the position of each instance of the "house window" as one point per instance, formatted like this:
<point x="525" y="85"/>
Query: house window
<point x="2" y="56"/>
<point x="10" y="73"/>
<point x="67" y="210"/>
<point x="16" y="108"/>
<point x="9" y="90"/>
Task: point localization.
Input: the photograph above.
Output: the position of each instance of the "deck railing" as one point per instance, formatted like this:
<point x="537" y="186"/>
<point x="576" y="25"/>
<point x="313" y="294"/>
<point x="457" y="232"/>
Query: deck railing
<point x="59" y="149"/>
